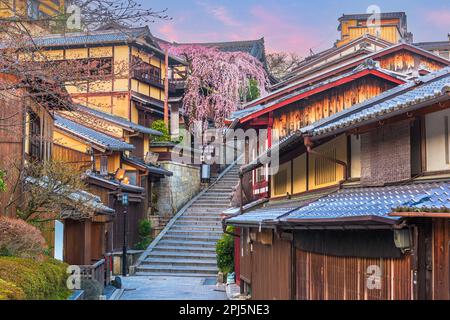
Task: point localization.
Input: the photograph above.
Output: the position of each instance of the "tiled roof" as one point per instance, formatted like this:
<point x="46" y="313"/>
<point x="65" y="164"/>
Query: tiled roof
<point x="113" y="182"/>
<point x="117" y="120"/>
<point x="398" y="99"/>
<point x="434" y="45"/>
<point x="151" y="168"/>
<point x="371" y="201"/>
<point x="256" y="48"/>
<point x="426" y="88"/>
<point x="95" y="37"/>
<point x="274" y="209"/>
<point x="434" y="200"/>
<point x="384" y="15"/>
<point x="102" y="37"/>
<point x="91" y="135"/>
<point x="302" y="79"/>
<point x="367" y="65"/>
<point x="83" y="196"/>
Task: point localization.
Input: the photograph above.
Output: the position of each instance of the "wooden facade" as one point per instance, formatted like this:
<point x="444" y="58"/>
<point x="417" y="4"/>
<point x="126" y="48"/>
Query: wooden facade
<point x="265" y="265"/>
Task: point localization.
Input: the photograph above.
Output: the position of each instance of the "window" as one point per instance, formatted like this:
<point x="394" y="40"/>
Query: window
<point x="100" y="67"/>
<point x="132" y="177"/>
<point x="35" y="137"/>
<point x="103" y="165"/>
<point x="437" y="128"/>
<point x="325" y="169"/>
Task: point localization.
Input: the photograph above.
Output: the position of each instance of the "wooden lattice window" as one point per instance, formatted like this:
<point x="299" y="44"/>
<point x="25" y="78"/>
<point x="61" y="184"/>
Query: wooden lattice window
<point x="325" y="169"/>
<point x="35" y="136"/>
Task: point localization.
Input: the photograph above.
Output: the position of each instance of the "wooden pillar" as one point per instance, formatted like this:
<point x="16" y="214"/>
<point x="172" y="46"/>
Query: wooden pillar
<point x="87" y="256"/>
<point x="166" y="88"/>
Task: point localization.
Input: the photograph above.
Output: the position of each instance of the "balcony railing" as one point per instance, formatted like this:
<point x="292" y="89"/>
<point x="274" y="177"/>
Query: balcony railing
<point x="144" y="77"/>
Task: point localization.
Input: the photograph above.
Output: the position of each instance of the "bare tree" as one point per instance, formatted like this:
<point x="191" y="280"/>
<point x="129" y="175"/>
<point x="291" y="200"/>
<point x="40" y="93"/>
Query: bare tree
<point x="50" y="191"/>
<point x="281" y="63"/>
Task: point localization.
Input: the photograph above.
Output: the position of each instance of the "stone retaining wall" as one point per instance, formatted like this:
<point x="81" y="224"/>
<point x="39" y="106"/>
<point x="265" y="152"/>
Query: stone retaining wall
<point x="175" y="191"/>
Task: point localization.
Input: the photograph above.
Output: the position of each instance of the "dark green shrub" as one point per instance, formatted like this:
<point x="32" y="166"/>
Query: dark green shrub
<point x="160" y="126"/>
<point x="225" y="252"/>
<point x="144" y="230"/>
<point x="39" y="280"/>
<point x="2" y="181"/>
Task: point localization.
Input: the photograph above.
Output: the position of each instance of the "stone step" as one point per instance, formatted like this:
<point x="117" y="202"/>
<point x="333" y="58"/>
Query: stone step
<point x="178" y="274"/>
<point x="217" y="227"/>
<point x="199" y="219"/>
<point x="187" y="244"/>
<point x="204" y="262"/>
<point x="183" y="238"/>
<point x="211" y="196"/>
<point x="183" y="254"/>
<point x="172" y="232"/>
<point x="217" y="208"/>
<point x="184" y="249"/>
<point x="209" y="203"/>
<point x="177" y="269"/>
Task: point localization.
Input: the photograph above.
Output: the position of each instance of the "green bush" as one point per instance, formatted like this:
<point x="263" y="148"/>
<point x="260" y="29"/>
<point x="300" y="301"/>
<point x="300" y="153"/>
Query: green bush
<point x="160" y="126"/>
<point x="9" y="291"/>
<point x="39" y="280"/>
<point x="225" y="252"/>
<point x="144" y="230"/>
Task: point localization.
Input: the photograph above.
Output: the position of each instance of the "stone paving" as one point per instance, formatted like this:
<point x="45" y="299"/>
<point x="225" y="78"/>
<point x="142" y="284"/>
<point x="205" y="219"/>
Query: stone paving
<point x="171" y="288"/>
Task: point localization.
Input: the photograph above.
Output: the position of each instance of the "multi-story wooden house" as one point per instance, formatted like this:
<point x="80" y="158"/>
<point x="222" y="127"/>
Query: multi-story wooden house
<point x="325" y="89"/>
<point x="378" y="227"/>
<point x="31" y="9"/>
<point x="97" y="144"/>
<point x="389" y="26"/>
<point x="124" y="70"/>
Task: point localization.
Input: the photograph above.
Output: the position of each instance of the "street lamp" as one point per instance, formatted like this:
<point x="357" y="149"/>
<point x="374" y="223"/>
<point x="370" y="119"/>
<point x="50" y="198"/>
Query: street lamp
<point x="120" y="176"/>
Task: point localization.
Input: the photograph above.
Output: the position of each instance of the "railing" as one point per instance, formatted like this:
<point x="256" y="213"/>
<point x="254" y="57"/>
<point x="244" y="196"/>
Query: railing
<point x="143" y="76"/>
<point x="96" y="271"/>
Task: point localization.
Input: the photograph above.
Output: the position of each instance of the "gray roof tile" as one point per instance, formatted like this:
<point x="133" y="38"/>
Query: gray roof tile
<point x="117" y="120"/>
<point x="374" y="201"/>
<point x="430" y="86"/>
<point x="91" y="135"/>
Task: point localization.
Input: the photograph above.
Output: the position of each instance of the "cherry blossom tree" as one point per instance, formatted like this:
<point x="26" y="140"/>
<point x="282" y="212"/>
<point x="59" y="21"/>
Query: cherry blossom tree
<point x="217" y="81"/>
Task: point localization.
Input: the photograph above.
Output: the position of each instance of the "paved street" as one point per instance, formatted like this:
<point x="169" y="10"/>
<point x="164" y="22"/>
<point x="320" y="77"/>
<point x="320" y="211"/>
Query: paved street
<point x="171" y="288"/>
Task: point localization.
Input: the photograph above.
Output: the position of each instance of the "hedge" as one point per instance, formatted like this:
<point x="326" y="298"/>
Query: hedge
<point x="37" y="280"/>
<point x="9" y="291"/>
<point x="225" y="252"/>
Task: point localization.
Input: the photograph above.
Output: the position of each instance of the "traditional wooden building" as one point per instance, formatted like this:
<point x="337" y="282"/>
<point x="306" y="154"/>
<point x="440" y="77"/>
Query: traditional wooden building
<point x="312" y="97"/>
<point x="390" y="26"/>
<point x="102" y="156"/>
<point x="26" y="135"/>
<point x="378" y="228"/>
<point x="124" y="70"/>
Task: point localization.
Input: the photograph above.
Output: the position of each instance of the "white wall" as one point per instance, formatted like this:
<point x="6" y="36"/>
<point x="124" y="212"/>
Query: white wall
<point x="437" y="144"/>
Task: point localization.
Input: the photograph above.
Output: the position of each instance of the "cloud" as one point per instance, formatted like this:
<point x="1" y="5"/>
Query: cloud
<point x="167" y="31"/>
<point x="280" y="33"/>
<point x="220" y="13"/>
<point x="439" y="18"/>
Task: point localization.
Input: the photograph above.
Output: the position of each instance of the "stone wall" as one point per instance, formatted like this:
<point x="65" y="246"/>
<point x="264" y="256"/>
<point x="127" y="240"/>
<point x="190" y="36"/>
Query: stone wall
<point x="175" y="191"/>
<point x="386" y="154"/>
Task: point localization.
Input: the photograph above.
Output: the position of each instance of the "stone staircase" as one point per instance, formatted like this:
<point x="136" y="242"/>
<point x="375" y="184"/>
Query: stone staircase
<point x="187" y="246"/>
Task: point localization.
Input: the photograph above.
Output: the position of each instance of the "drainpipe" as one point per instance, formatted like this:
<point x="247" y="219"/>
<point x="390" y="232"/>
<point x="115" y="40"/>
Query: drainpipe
<point x="309" y="144"/>
<point x="241" y="200"/>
